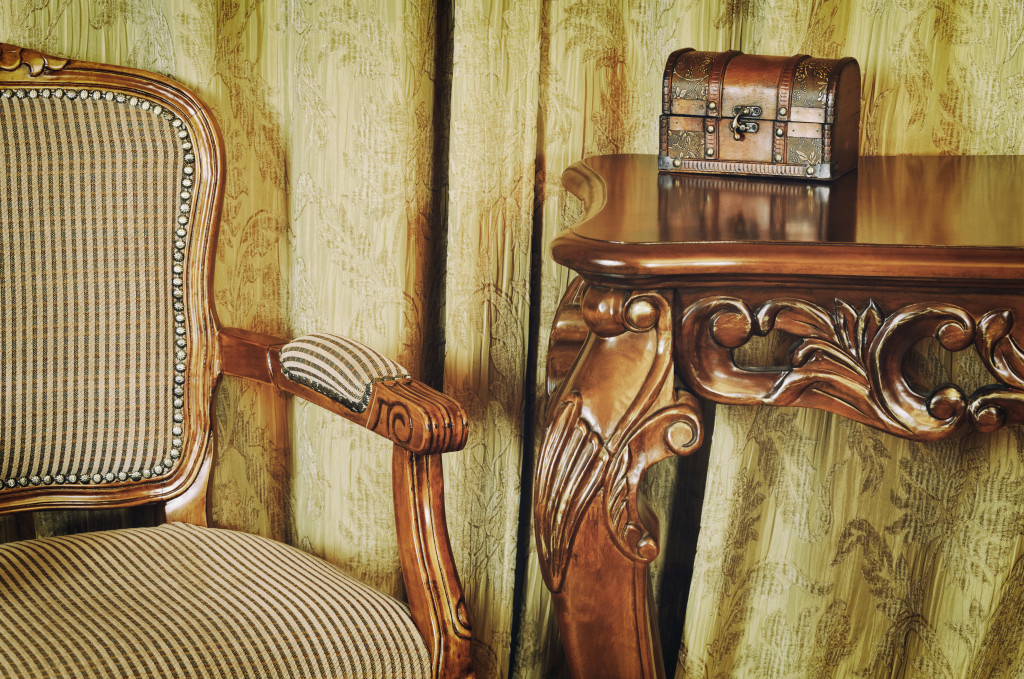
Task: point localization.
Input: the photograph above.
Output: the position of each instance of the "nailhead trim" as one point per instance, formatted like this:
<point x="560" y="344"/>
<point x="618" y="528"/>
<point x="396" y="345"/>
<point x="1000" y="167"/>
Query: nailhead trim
<point x="179" y="230"/>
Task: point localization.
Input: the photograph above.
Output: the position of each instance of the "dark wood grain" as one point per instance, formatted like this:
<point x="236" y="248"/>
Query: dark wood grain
<point x="966" y="210"/>
<point x="613" y="414"/>
<point x="856" y="273"/>
<point x="421" y="422"/>
<point x="431" y="582"/>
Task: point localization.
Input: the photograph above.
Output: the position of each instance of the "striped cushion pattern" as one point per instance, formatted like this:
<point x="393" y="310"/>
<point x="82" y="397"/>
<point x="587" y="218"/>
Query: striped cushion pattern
<point x="91" y="190"/>
<point x="187" y="602"/>
<point x="338" y="367"/>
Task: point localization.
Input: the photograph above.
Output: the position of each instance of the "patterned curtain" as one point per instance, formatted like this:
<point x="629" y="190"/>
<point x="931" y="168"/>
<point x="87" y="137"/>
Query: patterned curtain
<point x="394" y="176"/>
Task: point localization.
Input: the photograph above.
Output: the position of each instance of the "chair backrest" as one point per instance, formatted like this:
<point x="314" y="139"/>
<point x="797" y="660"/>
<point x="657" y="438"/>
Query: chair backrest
<point x="111" y="183"/>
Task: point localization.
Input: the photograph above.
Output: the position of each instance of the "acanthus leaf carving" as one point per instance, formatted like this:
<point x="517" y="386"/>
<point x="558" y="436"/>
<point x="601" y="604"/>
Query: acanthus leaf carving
<point x="12" y="57"/>
<point x="999" y="350"/>
<point x="851" y="362"/>
<point x="570" y="468"/>
<point x="585" y="453"/>
<point x="674" y="430"/>
<point x="924" y="417"/>
<point x="994" y="406"/>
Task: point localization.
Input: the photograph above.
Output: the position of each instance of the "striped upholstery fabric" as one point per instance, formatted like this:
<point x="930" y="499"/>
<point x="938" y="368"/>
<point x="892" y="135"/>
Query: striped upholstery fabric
<point x="93" y="185"/>
<point x="187" y="602"/>
<point x="338" y="367"/>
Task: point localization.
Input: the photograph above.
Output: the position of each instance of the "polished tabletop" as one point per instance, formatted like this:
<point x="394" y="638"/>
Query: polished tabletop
<point x="929" y="217"/>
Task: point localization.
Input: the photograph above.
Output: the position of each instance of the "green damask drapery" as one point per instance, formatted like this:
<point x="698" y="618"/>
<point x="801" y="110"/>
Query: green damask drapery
<point x="394" y="175"/>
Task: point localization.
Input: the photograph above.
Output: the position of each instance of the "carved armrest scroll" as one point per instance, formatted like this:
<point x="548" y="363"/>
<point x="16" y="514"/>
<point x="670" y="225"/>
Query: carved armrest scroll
<point x="396" y="406"/>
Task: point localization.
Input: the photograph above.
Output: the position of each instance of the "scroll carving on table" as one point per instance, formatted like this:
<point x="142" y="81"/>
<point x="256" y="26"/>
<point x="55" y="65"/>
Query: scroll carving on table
<point x="852" y="362"/>
<point x="586" y="456"/>
<point x="674" y="430"/>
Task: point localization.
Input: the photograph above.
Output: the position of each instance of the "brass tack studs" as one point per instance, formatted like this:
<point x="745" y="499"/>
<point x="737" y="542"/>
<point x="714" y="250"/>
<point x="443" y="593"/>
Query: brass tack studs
<point x="184" y="207"/>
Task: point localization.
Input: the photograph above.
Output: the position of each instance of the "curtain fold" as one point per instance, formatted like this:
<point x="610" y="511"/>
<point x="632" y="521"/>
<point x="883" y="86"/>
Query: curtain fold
<point x="487" y="298"/>
<point x="393" y="175"/>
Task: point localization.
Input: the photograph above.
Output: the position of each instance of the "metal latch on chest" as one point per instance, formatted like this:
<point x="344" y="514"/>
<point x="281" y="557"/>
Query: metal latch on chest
<point x="740" y="126"/>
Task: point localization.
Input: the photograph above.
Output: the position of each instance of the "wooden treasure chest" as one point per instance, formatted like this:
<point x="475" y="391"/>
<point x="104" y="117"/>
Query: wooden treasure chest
<point x="747" y="114"/>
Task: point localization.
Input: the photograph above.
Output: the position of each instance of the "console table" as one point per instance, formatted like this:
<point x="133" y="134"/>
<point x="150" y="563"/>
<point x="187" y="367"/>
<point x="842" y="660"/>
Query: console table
<point x="678" y="271"/>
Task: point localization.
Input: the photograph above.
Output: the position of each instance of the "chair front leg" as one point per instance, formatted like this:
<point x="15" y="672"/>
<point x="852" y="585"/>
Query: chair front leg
<point x="431" y="581"/>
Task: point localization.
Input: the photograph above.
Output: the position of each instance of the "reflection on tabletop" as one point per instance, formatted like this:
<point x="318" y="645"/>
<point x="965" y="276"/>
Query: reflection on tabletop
<point x="893" y="200"/>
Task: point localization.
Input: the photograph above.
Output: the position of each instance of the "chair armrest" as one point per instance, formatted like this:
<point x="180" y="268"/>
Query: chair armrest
<point x="351" y="380"/>
<point x="339" y="368"/>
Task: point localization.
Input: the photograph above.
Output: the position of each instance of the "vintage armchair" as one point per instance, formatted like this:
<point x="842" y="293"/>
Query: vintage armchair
<point x="112" y="183"/>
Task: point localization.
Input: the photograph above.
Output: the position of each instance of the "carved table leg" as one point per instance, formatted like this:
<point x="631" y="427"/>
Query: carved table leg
<point x="613" y="414"/>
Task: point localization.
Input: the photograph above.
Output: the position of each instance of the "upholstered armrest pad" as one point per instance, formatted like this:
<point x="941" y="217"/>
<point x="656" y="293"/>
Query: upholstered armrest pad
<point x="351" y="380"/>
<point x="337" y="367"/>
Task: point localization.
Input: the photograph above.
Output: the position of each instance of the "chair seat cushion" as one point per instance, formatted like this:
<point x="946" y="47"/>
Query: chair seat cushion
<point x="182" y="601"/>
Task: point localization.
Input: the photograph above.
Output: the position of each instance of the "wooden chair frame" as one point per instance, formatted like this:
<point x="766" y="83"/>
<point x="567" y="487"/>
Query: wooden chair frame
<point x="421" y="422"/>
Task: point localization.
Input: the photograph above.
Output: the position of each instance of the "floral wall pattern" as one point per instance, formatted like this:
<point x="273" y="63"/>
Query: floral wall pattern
<point x="394" y="176"/>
